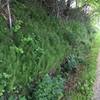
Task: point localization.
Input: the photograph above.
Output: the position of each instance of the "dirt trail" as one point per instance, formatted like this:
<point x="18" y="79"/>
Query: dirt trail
<point x="96" y="87"/>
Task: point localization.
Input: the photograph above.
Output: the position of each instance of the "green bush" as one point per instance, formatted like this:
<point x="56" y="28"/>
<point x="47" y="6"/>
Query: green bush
<point x="50" y="88"/>
<point x="72" y="63"/>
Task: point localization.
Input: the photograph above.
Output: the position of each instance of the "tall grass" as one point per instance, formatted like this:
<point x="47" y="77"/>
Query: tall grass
<point x="40" y="42"/>
<point x="84" y="88"/>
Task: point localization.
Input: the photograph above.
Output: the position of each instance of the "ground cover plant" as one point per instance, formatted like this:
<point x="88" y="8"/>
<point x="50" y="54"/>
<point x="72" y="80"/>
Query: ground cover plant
<point x="39" y="45"/>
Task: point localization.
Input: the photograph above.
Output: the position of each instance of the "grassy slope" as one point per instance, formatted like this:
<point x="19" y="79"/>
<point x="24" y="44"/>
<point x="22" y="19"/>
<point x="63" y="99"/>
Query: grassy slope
<point x="40" y="43"/>
<point x="38" y="46"/>
<point x="85" y="84"/>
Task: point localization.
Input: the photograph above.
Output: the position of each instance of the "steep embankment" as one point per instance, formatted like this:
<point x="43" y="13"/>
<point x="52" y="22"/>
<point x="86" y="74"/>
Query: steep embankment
<point x="40" y="43"/>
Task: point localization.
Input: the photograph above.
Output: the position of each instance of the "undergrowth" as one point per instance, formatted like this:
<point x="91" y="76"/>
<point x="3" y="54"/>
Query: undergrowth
<point x="39" y="43"/>
<point x="84" y="88"/>
<point x="50" y="88"/>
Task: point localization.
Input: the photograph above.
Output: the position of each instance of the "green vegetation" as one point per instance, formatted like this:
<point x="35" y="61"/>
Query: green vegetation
<point x="41" y="51"/>
<point x="50" y="88"/>
<point x="90" y="70"/>
<point x="38" y="46"/>
<point x="84" y="88"/>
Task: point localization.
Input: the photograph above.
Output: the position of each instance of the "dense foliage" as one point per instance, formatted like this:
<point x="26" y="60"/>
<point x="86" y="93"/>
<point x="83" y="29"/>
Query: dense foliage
<point x="50" y="88"/>
<point x="38" y="44"/>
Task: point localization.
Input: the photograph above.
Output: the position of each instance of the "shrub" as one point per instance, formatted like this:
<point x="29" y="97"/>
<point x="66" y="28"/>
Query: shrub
<point x="71" y="63"/>
<point x="50" y="88"/>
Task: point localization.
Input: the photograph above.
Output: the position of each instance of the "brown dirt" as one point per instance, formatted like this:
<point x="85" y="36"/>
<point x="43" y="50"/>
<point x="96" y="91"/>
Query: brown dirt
<point x="96" y="87"/>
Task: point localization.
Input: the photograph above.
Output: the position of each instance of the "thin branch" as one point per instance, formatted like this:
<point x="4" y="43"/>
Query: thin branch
<point x="9" y="15"/>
